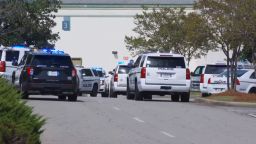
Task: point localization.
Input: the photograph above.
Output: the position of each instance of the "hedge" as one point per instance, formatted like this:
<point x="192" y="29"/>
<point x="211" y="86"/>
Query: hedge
<point x="18" y="124"/>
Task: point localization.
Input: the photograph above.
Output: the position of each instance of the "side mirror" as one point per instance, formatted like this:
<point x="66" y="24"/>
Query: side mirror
<point x="110" y="72"/>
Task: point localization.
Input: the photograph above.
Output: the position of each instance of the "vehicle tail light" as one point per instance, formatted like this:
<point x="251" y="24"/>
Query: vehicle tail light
<point x="74" y="73"/>
<point x="115" y="77"/>
<point x="202" y="78"/>
<point x="209" y="81"/>
<point x="143" y="73"/>
<point x="30" y="71"/>
<point x="187" y="74"/>
<point x="237" y="82"/>
<point x="2" y="66"/>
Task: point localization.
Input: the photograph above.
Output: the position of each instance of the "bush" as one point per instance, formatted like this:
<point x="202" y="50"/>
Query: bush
<point x="18" y="124"/>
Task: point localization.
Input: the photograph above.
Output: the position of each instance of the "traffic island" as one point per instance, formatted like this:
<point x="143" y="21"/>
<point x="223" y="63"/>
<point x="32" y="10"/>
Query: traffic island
<point x="230" y="98"/>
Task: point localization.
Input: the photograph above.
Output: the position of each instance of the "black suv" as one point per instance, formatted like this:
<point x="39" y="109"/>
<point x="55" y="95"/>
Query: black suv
<point x="47" y="73"/>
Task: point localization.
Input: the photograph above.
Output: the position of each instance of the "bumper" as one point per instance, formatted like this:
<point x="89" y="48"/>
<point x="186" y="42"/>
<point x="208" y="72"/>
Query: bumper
<point x="46" y="88"/>
<point x="215" y="89"/>
<point x="102" y="89"/>
<point x="203" y="89"/>
<point x="118" y="88"/>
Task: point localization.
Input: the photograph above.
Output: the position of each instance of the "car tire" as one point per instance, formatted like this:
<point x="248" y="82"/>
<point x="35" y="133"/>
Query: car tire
<point x="185" y="97"/>
<point x="72" y="97"/>
<point x="148" y="97"/>
<point x="128" y="93"/>
<point x="104" y="94"/>
<point x="24" y="93"/>
<point x="138" y="95"/>
<point x="62" y="97"/>
<point x="252" y="91"/>
<point x="113" y="94"/>
<point x="175" y="97"/>
<point x="94" y="90"/>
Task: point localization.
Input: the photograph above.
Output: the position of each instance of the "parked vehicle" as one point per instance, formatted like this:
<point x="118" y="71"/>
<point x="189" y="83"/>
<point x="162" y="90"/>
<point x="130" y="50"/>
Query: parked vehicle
<point x="245" y="82"/>
<point x="195" y="78"/>
<point x="88" y="82"/>
<point x="209" y="71"/>
<point x="118" y="82"/>
<point x="47" y="72"/>
<point x="159" y="74"/>
<point x="9" y="58"/>
<point x="103" y="89"/>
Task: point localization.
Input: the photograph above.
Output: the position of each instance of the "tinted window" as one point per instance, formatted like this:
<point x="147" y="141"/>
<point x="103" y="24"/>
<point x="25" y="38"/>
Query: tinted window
<point x="95" y="72"/>
<point x="123" y="69"/>
<point x="137" y="62"/>
<point x="48" y="60"/>
<point x="215" y="69"/>
<point x="86" y="72"/>
<point x="166" y="62"/>
<point x="1" y="54"/>
<point x="199" y="70"/>
<point x="12" y="55"/>
<point x="238" y="72"/>
<point x="253" y="76"/>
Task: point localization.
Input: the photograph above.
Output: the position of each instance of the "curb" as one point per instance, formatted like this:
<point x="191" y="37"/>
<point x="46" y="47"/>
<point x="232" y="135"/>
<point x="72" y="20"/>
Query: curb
<point x="223" y="103"/>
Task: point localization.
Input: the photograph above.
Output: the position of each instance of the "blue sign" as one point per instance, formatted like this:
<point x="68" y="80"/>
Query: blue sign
<point x="66" y="23"/>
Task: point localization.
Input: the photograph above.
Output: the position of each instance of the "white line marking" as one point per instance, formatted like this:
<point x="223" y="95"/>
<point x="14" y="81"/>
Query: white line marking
<point x="252" y="115"/>
<point x="116" y="108"/>
<point x="167" y="134"/>
<point x="139" y="120"/>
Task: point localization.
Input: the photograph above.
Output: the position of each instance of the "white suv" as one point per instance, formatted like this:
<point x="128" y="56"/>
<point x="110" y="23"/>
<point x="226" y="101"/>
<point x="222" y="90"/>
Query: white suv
<point x="118" y="82"/>
<point x="159" y="74"/>
<point x="9" y="59"/>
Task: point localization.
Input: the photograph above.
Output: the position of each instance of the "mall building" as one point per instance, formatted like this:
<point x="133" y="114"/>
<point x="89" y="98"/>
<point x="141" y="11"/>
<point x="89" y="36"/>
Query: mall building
<point x="94" y="30"/>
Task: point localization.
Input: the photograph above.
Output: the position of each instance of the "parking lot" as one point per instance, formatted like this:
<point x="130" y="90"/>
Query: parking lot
<point x="97" y="120"/>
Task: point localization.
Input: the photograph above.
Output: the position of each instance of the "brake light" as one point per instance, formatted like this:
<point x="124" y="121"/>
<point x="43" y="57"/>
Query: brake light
<point x="202" y="78"/>
<point x="209" y="81"/>
<point x="237" y="82"/>
<point x="30" y="71"/>
<point x="187" y="74"/>
<point x="74" y="73"/>
<point x="116" y="77"/>
<point x="143" y="73"/>
<point x="2" y="66"/>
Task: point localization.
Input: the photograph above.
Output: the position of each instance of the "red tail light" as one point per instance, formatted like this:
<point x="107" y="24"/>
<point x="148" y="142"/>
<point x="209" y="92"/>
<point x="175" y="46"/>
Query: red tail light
<point x="143" y="73"/>
<point x="237" y="82"/>
<point x="2" y="66"/>
<point x="74" y="73"/>
<point x="209" y="81"/>
<point x="187" y="74"/>
<point x="116" y="77"/>
<point x="202" y="78"/>
<point x="30" y="71"/>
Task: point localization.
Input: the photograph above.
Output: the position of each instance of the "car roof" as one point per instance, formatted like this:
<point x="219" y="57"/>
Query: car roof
<point x="164" y="54"/>
<point x="50" y="54"/>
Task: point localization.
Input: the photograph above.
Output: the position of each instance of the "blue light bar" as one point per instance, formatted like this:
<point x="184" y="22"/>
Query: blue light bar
<point x="52" y="51"/>
<point x="19" y="46"/>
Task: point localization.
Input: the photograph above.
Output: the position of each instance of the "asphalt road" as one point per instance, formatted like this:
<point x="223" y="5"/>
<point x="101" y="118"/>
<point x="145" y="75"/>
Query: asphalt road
<point x="120" y="121"/>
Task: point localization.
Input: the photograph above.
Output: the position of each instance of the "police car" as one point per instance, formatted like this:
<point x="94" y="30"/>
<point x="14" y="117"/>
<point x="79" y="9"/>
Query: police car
<point x="103" y="89"/>
<point x="46" y="72"/>
<point x="159" y="74"/>
<point x="9" y="59"/>
<point x="88" y="82"/>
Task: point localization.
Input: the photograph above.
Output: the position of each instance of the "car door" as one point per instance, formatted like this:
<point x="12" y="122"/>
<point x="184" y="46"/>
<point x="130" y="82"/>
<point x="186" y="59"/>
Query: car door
<point x="133" y="73"/>
<point x="87" y="80"/>
<point x="18" y="72"/>
<point x="195" y="77"/>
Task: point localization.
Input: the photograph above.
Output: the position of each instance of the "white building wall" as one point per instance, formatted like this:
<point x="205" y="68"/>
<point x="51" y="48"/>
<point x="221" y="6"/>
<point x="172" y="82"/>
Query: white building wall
<point x="95" y="34"/>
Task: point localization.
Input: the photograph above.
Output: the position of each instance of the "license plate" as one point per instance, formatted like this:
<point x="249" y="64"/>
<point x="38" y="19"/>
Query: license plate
<point x="165" y="75"/>
<point x="52" y="73"/>
<point x="219" y="89"/>
<point x="166" y="87"/>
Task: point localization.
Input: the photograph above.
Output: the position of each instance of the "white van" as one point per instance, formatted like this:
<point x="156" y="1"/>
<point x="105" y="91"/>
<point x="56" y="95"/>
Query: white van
<point x="9" y="59"/>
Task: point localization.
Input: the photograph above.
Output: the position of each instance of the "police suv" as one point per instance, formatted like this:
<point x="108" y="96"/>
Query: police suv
<point x="46" y="72"/>
<point x="159" y="74"/>
<point x="88" y="82"/>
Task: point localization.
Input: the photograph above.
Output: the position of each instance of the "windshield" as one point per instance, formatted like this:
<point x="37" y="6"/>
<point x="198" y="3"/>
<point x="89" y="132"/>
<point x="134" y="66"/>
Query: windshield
<point x="12" y="55"/>
<point x="215" y="69"/>
<point x="239" y="73"/>
<point x="86" y="72"/>
<point x="165" y="62"/>
<point x="48" y="60"/>
<point x="123" y="69"/>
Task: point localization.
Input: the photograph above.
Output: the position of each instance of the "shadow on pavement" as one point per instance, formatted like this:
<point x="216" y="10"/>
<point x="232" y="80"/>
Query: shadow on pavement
<point x="49" y="99"/>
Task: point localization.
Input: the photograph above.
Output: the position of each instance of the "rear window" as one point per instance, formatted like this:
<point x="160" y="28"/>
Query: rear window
<point x="239" y="73"/>
<point x="123" y="69"/>
<point x="166" y="62"/>
<point x="86" y="72"/>
<point x="12" y="55"/>
<point x="1" y="54"/>
<point x="47" y="60"/>
<point x="215" y="69"/>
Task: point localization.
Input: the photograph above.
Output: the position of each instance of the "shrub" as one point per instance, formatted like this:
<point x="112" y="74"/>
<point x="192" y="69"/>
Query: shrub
<point x="18" y="124"/>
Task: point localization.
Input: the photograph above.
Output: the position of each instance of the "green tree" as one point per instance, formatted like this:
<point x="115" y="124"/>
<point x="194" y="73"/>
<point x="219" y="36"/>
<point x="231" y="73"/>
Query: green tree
<point x="28" y="21"/>
<point x="168" y="29"/>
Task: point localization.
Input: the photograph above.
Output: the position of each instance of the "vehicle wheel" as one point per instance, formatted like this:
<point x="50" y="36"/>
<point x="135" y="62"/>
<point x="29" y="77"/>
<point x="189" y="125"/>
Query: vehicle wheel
<point x="185" y="97"/>
<point x="62" y="97"/>
<point x="138" y="95"/>
<point x="252" y="91"/>
<point x="175" y="97"/>
<point x="24" y="94"/>
<point x="94" y="90"/>
<point x="72" y="97"/>
<point x="128" y="94"/>
<point x="148" y="97"/>
<point x="104" y="94"/>
<point x="113" y="94"/>
<point x="79" y="93"/>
